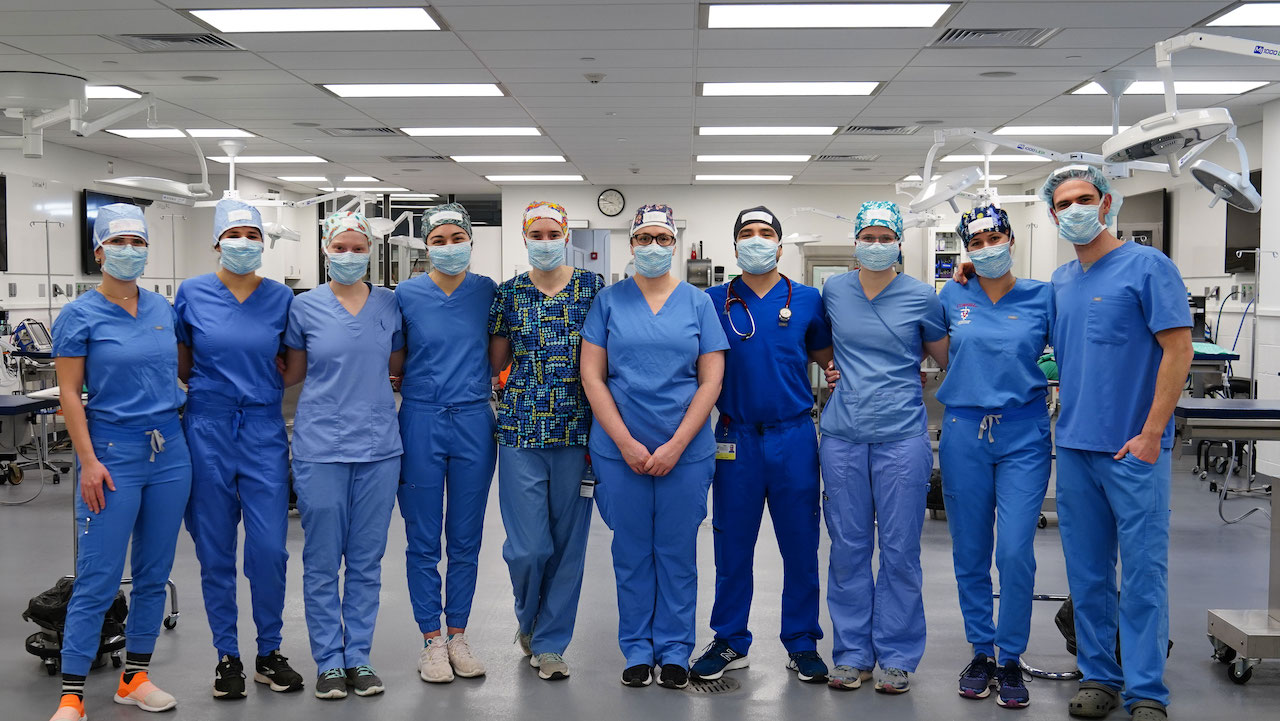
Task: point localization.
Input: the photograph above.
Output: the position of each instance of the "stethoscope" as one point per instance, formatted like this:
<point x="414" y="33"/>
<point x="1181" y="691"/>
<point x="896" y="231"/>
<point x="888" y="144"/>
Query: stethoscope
<point x="784" y="315"/>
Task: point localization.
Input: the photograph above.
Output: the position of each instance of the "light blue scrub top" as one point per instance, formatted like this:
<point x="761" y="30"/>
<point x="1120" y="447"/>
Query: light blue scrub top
<point x="233" y="345"/>
<point x="347" y="411"/>
<point x="1106" y="347"/>
<point x="994" y="348"/>
<point x="766" y="377"/>
<point x="131" y="364"/>
<point x="653" y="363"/>
<point x="878" y="348"/>
<point x="448" y="339"/>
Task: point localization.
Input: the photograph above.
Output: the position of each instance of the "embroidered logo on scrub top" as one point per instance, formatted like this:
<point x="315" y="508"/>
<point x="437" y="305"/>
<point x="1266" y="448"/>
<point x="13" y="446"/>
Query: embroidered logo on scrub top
<point x="1013" y="317"/>
<point x="965" y="309"/>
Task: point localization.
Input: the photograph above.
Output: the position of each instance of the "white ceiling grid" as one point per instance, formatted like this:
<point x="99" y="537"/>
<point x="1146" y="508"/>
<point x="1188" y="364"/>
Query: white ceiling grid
<point x="640" y="123"/>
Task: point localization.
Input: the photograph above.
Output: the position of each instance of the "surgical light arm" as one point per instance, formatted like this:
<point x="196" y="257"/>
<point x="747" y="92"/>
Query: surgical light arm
<point x="1221" y="43"/>
<point x="940" y="138"/>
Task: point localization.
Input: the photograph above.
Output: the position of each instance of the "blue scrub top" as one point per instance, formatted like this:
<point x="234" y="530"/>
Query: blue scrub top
<point x="347" y="411"/>
<point x="766" y="377"/>
<point x="448" y="339"/>
<point x="878" y="348"/>
<point x="233" y="345"/>
<point x="994" y="348"/>
<point x="131" y="364"/>
<point x="653" y="363"/>
<point x="1106" y="347"/>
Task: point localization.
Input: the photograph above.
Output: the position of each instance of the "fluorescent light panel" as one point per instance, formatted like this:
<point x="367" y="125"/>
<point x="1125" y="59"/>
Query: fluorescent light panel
<point x="109" y="92"/>
<point x="276" y="159"/>
<point x="390" y="189"/>
<point x="995" y="159"/>
<point x="534" y="178"/>
<point x="414" y="196"/>
<point x="147" y="133"/>
<point x="753" y="158"/>
<point x="467" y="132"/>
<point x="507" y="158"/>
<point x="915" y="177"/>
<point x="321" y="179"/>
<point x="776" y="130"/>
<point x="1182" y="87"/>
<point x="1058" y="130"/>
<point x="414" y="90"/>
<point x="790" y="88"/>
<point x="313" y="20"/>
<point x="775" y="178"/>
<point x="1251" y="15"/>
<point x="826" y="15"/>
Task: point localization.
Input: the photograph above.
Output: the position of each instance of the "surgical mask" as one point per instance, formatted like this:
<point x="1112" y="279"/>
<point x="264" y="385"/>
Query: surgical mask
<point x="347" y="268"/>
<point x="123" y="262"/>
<point x="877" y="256"/>
<point x="451" y="259"/>
<point x="240" y="256"/>
<point x="757" y="255"/>
<point x="653" y="260"/>
<point x="1079" y="224"/>
<point x="993" y="261"/>
<point x="546" y="254"/>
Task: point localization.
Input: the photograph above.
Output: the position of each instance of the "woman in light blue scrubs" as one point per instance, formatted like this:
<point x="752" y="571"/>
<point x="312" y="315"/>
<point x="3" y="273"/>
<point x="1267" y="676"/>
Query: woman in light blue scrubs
<point x="447" y="427"/>
<point x="652" y="365"/>
<point x="876" y="456"/>
<point x="230" y="333"/>
<point x="134" y="469"/>
<point x="996" y="450"/>
<point x="344" y="338"/>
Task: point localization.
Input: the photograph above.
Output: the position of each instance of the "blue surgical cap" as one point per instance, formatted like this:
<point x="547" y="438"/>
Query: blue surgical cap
<point x="116" y="220"/>
<point x="982" y="220"/>
<point x="878" y="213"/>
<point x="230" y="213"/>
<point x="1087" y="173"/>
<point x="446" y="214"/>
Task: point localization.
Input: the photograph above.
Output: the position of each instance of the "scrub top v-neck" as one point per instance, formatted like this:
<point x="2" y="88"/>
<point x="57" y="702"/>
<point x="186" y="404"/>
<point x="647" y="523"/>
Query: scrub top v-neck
<point x="448" y="340"/>
<point x="347" y="410"/>
<point x="233" y="344"/>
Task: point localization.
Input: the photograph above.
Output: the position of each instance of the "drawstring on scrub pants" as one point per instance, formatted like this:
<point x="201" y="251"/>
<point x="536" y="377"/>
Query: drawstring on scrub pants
<point x="988" y="425"/>
<point x="157" y="443"/>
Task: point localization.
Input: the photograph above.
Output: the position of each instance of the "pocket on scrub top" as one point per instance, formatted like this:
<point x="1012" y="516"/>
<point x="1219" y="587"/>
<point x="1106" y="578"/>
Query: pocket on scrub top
<point x="383" y="417"/>
<point x="1109" y="320"/>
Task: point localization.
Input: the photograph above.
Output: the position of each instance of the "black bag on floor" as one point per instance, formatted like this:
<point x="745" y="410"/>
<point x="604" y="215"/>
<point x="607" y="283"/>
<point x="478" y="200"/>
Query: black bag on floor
<point x="1065" y="620"/>
<point x="934" y="501"/>
<point x="48" y="609"/>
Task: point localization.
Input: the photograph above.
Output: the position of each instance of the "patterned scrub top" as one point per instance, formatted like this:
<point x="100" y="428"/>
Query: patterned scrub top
<point x="543" y="405"/>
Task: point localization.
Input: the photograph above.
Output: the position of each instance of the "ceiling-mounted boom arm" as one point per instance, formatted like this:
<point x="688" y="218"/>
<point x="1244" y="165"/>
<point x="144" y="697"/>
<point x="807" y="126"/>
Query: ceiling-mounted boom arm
<point x="1221" y="43"/>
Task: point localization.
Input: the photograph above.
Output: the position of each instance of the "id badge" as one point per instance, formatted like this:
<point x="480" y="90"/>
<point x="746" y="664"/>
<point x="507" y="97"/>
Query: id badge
<point x="726" y="446"/>
<point x="587" y="487"/>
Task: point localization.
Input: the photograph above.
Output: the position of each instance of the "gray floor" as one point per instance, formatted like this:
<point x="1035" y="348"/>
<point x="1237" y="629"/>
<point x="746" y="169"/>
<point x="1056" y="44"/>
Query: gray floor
<point x="1212" y="565"/>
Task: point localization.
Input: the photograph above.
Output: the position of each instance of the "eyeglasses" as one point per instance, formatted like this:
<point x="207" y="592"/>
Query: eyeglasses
<point x="877" y="239"/>
<point x="665" y="241"/>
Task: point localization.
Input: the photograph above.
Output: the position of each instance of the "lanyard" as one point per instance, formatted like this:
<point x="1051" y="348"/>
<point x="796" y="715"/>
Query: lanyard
<point x="731" y="297"/>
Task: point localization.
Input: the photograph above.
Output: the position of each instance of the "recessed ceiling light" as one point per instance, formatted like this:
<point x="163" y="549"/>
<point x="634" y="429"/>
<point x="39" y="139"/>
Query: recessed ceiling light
<point x="303" y="124"/>
<point x="414" y="196"/>
<point x="321" y="179"/>
<point x="464" y="132"/>
<point x="753" y="158"/>
<point x="790" y="88"/>
<point x="109" y="92"/>
<point x="1250" y="15"/>
<point x="1058" y="130"/>
<point x="534" y="178"/>
<point x="277" y="159"/>
<point x="994" y="159"/>
<point x="998" y="74"/>
<point x="390" y="189"/>
<point x="199" y="78"/>
<point x="507" y="158"/>
<point x="146" y="133"/>
<point x="414" y="90"/>
<point x="826" y="15"/>
<point x="915" y="177"/>
<point x="1182" y="87"/>
<point x="774" y="178"/>
<point x="309" y="20"/>
<point x="769" y="130"/>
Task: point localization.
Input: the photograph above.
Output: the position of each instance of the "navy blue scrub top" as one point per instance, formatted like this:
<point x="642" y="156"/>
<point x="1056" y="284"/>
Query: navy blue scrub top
<point x="448" y="340"/>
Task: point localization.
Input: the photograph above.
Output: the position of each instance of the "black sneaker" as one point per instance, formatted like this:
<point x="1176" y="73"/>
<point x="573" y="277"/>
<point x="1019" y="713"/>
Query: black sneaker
<point x="715" y="660"/>
<point x="637" y="676"/>
<point x="275" y="671"/>
<point x="673" y="676"/>
<point x="1011" y="691"/>
<point x="228" y="678"/>
<point x="978" y="677"/>
<point x="364" y="680"/>
<point x="332" y="684"/>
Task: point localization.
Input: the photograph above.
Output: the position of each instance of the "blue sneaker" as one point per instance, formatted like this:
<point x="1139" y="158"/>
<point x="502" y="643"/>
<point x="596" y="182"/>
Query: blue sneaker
<point x="808" y="666"/>
<point x="978" y="677"/>
<point x="1011" y="691"/>
<point x="717" y="659"/>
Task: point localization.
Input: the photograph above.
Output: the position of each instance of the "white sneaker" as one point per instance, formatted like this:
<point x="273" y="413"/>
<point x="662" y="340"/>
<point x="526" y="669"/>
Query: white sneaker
<point x="464" y="662"/>
<point x="551" y="666"/>
<point x="433" y="662"/>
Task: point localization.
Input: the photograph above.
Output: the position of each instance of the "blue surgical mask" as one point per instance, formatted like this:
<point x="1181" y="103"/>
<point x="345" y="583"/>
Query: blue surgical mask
<point x="347" y="268"/>
<point x="757" y="255"/>
<point x="653" y="260"/>
<point x="1079" y="224"/>
<point x="993" y="261"/>
<point x="546" y="254"/>
<point x="123" y="262"/>
<point x="450" y="259"/>
<point x="877" y="256"/>
<point x="240" y="256"/>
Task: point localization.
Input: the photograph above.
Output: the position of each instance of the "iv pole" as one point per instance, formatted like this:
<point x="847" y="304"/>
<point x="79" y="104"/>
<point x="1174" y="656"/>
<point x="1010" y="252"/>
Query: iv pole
<point x="48" y="262"/>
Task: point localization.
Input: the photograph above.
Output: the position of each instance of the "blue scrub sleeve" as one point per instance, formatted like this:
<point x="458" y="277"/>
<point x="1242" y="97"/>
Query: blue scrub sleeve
<point x="594" y="330"/>
<point x="498" y="321"/>
<point x="70" y="333"/>
<point x="1164" y="297"/>
<point x="294" y="336"/>
<point x="818" y="335"/>
<point x="933" y="326"/>
<point x="180" y="325"/>
<point x="397" y="337"/>
<point x="711" y="335"/>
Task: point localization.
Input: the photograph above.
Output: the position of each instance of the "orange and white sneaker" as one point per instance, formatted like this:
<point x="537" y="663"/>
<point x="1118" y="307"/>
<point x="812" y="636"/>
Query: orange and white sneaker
<point x="70" y="708"/>
<point x="142" y="693"/>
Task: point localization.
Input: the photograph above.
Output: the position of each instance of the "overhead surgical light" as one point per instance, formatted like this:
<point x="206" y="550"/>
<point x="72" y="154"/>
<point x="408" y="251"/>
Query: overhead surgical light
<point x="1232" y="187"/>
<point x="946" y="188"/>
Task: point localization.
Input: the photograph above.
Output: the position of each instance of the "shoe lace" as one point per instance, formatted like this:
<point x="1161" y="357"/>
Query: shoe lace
<point x="551" y="658"/>
<point x="1011" y="675"/>
<point x="459" y="646"/>
<point x="333" y="673"/>
<point x="977" y="666"/>
<point x="365" y="670"/>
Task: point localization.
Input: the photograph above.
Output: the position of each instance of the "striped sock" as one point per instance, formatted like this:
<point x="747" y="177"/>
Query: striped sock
<point x="73" y="685"/>
<point x="134" y="663"/>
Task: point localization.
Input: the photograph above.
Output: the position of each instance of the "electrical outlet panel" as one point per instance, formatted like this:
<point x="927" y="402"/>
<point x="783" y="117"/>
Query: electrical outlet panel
<point x="1246" y="292"/>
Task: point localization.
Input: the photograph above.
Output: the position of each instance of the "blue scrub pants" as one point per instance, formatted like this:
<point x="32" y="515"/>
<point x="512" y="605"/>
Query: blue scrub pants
<point x="872" y="489"/>
<point x="346" y="511"/>
<point x="1109" y="508"/>
<point x="140" y="515"/>
<point x="448" y="449"/>
<point x="547" y="521"/>
<point x="994" y="479"/>
<point x="240" y="469"/>
<point x="655" y="521"/>
<point x="778" y="464"/>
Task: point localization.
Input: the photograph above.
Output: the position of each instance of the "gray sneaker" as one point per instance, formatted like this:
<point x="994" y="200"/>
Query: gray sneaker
<point x="551" y="666"/>
<point x="892" y="680"/>
<point x="332" y="684"/>
<point x="526" y="642"/>
<point x="847" y="678"/>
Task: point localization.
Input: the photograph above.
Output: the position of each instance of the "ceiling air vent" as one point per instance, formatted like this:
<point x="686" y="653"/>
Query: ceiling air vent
<point x="174" y="43"/>
<point x="360" y="132"/>
<point x="881" y="129"/>
<point x="413" y="158"/>
<point x="985" y="38"/>
<point x="847" y="158"/>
